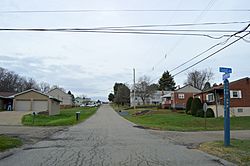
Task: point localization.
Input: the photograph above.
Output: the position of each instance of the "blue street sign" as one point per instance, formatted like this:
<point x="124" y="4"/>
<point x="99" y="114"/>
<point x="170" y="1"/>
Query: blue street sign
<point x="225" y="76"/>
<point x="225" y="70"/>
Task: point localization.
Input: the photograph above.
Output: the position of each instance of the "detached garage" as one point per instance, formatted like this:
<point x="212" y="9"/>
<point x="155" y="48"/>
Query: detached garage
<point x="33" y="100"/>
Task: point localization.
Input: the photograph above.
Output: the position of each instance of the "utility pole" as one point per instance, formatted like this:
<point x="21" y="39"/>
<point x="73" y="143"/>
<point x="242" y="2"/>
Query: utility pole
<point x="134" y="86"/>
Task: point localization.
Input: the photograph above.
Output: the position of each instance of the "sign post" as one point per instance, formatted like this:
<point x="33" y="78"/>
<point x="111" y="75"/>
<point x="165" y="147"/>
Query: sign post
<point x="225" y="77"/>
<point x="205" y="114"/>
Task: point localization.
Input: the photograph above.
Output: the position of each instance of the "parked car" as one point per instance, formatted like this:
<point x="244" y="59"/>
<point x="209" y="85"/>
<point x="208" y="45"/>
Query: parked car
<point x="82" y="105"/>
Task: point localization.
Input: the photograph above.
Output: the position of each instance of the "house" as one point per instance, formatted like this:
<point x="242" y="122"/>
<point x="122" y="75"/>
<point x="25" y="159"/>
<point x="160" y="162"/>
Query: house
<point x="6" y="99"/>
<point x="166" y="100"/>
<point x="155" y="98"/>
<point x="33" y="100"/>
<point x="239" y="98"/>
<point x="80" y="100"/>
<point x="67" y="100"/>
<point x="180" y="96"/>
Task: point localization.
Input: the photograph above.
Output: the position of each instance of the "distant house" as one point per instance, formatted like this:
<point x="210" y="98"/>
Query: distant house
<point x="167" y="100"/>
<point x="33" y="100"/>
<point x="180" y="96"/>
<point x="80" y="100"/>
<point x="239" y="98"/>
<point x="67" y="100"/>
<point x="6" y="99"/>
<point x="155" y="98"/>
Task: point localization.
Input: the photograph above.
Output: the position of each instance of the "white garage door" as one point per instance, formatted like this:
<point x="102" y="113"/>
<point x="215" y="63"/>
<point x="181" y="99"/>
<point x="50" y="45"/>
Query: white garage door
<point x="22" y="105"/>
<point x="40" y="106"/>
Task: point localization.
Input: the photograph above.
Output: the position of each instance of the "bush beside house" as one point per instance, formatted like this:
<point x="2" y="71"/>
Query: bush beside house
<point x="196" y="105"/>
<point x="188" y="105"/>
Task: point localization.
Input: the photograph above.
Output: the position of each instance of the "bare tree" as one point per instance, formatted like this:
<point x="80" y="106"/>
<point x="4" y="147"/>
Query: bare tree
<point x="198" y="78"/>
<point x="144" y="89"/>
<point x="57" y="86"/>
<point x="44" y="87"/>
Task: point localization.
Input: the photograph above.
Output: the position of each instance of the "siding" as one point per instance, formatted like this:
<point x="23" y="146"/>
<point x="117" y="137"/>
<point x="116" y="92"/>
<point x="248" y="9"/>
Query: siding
<point x="60" y="95"/>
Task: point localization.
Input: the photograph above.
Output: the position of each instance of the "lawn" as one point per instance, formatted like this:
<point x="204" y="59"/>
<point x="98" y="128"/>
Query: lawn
<point x="179" y="121"/>
<point x="66" y="117"/>
<point x="7" y="142"/>
<point x="238" y="152"/>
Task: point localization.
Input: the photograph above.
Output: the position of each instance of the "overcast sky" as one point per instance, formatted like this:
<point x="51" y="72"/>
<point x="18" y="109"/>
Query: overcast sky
<point x="90" y="63"/>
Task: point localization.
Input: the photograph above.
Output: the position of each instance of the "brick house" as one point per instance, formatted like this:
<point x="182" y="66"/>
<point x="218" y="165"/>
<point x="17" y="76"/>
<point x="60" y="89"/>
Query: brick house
<point x="180" y="96"/>
<point x="239" y="98"/>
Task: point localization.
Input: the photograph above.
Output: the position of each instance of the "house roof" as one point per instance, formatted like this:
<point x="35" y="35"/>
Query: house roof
<point x="7" y="94"/>
<point x="56" y="89"/>
<point x="167" y="95"/>
<point x="51" y="97"/>
<point x="221" y="86"/>
<point x="188" y="89"/>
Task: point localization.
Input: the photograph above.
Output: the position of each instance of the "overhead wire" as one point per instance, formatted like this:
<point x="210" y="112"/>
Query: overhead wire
<point x="209" y="5"/>
<point x="210" y="48"/>
<point x="120" y="10"/>
<point x="211" y="54"/>
<point x="79" y="30"/>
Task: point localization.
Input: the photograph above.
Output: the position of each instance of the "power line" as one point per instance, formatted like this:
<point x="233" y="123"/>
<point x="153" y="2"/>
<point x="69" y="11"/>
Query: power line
<point x="121" y="10"/>
<point x="208" y="6"/>
<point x="211" y="54"/>
<point x="69" y="30"/>
<point x="220" y="43"/>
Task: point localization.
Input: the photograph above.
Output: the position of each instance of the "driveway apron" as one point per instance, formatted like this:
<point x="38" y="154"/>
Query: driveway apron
<point x="108" y="139"/>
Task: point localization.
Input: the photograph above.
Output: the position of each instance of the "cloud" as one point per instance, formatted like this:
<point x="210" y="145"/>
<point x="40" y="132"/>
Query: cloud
<point x="92" y="82"/>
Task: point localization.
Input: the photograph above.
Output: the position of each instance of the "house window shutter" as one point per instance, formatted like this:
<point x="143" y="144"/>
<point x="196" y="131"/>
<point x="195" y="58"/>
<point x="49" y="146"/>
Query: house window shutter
<point x="231" y="94"/>
<point x="206" y="97"/>
<point x="239" y="94"/>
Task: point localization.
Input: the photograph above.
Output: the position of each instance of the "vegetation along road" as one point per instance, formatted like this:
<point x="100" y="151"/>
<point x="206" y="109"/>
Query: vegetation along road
<point x="108" y="139"/>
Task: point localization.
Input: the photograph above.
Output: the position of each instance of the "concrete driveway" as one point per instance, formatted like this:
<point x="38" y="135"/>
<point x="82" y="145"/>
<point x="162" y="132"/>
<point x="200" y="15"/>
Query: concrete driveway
<point x="13" y="118"/>
<point x="107" y="139"/>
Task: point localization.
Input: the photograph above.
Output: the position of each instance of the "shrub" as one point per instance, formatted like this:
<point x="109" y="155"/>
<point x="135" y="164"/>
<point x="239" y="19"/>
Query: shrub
<point x="200" y="113"/>
<point x="210" y="113"/>
<point x="196" y="105"/>
<point x="188" y="105"/>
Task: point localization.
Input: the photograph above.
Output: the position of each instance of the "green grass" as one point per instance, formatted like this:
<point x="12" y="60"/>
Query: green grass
<point x="66" y="117"/>
<point x="7" y="142"/>
<point x="238" y="152"/>
<point x="179" y="121"/>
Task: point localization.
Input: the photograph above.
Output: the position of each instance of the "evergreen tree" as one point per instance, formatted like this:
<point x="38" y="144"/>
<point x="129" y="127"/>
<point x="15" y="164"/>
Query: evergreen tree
<point x="111" y="97"/>
<point x="166" y="82"/>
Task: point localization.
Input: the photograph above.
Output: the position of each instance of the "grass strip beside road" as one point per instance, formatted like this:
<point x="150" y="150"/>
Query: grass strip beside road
<point x="238" y="152"/>
<point x="163" y="119"/>
<point x="7" y="142"/>
<point x="65" y="118"/>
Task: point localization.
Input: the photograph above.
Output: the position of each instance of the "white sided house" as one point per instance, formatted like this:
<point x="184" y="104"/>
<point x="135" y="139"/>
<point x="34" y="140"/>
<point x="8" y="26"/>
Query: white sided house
<point x="62" y="96"/>
<point x="35" y="101"/>
<point x="155" y="98"/>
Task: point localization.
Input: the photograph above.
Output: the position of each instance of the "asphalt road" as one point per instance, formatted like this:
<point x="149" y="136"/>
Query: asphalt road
<point x="108" y="139"/>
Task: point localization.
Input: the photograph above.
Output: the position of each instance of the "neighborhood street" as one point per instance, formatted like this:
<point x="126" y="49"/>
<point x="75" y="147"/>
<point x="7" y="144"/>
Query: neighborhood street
<point x="108" y="139"/>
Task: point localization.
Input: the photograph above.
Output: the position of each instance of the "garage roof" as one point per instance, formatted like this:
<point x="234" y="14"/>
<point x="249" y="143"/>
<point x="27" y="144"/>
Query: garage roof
<point x="51" y="97"/>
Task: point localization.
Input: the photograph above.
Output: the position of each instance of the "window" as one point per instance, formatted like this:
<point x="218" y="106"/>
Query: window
<point x="210" y="97"/>
<point x="235" y="94"/>
<point x="240" y="110"/>
<point x="181" y="96"/>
